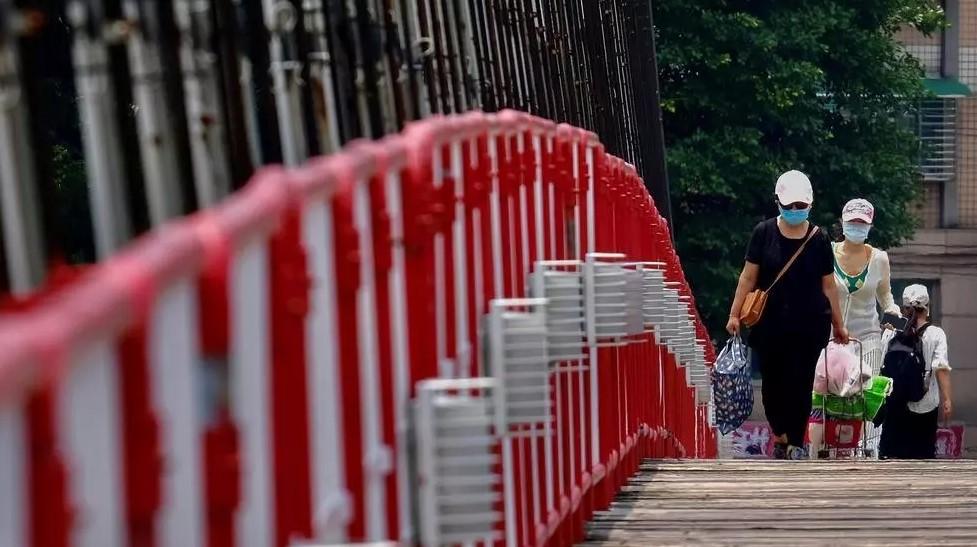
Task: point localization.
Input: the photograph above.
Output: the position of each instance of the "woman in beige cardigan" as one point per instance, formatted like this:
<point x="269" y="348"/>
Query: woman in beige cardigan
<point x="864" y="286"/>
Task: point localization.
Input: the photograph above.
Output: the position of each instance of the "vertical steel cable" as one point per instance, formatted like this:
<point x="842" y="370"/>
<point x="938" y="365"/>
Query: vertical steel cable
<point x="502" y="89"/>
<point x="398" y="61"/>
<point x="181" y="99"/>
<point x="651" y="134"/>
<point x="524" y="55"/>
<point x="370" y="83"/>
<point x="25" y="250"/>
<point x="626" y="112"/>
<point x="514" y="85"/>
<point x="597" y="60"/>
<point x="256" y="79"/>
<point x="415" y="51"/>
<point x="616" y="69"/>
<point x="584" y="79"/>
<point x="282" y="20"/>
<point x="537" y="65"/>
<point x="550" y="47"/>
<point x="305" y="48"/>
<point x="519" y="32"/>
<point x="568" y="61"/>
<point x="447" y="27"/>
<point x="159" y="107"/>
<point x="626" y="28"/>
<point x="616" y="104"/>
<point x="436" y="78"/>
<point x="434" y="81"/>
<point x="322" y="80"/>
<point x="341" y="60"/>
<point x="228" y="47"/>
<point x="105" y="166"/>
<point x="205" y="115"/>
<point x="388" y="88"/>
<point x="484" y="76"/>
<point x="469" y="50"/>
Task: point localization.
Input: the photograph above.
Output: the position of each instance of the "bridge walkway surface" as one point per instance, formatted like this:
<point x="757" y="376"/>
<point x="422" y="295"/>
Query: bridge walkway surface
<point x="741" y="502"/>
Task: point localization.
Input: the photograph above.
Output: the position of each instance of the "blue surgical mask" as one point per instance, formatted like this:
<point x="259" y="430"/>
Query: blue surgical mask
<point x="856" y="232"/>
<point x="794" y="217"/>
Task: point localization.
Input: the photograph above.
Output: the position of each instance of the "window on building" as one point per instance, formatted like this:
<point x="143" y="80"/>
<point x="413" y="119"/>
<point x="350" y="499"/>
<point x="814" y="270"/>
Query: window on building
<point x="937" y="130"/>
<point x="935" y="123"/>
<point x="967" y="119"/>
<point x="936" y="126"/>
<point x="967" y="24"/>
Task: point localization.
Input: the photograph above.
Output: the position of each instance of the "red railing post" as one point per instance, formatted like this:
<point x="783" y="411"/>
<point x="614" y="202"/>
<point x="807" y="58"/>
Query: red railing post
<point x="50" y="513"/>
<point x="289" y="305"/>
<point x="141" y="455"/>
<point x="221" y="458"/>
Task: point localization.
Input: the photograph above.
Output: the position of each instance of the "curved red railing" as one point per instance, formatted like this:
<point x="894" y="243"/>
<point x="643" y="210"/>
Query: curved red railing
<point x="244" y="376"/>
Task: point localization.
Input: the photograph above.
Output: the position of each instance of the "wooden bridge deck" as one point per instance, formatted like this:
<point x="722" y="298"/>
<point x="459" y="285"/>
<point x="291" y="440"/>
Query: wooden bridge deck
<point x="737" y="502"/>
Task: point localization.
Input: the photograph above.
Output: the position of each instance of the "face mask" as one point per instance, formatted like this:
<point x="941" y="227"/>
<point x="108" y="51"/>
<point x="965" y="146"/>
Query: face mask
<point x="856" y="232"/>
<point x="794" y="216"/>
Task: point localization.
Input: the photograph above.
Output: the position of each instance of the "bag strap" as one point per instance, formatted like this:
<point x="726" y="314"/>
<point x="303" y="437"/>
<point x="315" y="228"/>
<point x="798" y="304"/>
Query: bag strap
<point x="793" y="258"/>
<point x="918" y="347"/>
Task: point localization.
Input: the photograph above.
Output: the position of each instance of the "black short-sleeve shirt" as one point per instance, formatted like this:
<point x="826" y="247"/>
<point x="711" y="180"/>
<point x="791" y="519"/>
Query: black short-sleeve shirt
<point x="797" y="303"/>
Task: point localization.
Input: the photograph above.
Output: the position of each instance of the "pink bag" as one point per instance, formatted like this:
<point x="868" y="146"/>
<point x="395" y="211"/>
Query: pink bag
<point x="838" y="371"/>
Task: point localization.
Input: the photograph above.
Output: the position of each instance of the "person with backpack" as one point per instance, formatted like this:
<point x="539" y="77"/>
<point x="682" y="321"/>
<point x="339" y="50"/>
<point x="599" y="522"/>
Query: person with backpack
<point x="787" y="296"/>
<point x="918" y="364"/>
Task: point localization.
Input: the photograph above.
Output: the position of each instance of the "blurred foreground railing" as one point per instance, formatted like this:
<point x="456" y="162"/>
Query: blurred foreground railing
<point x="465" y="333"/>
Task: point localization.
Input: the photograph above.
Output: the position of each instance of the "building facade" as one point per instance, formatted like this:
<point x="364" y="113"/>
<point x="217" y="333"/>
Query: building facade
<point x="943" y="254"/>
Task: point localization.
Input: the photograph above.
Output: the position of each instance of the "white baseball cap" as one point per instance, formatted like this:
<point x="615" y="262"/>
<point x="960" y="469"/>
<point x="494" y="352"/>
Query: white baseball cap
<point x="858" y="209"/>
<point x="794" y="186"/>
<point x="916" y="296"/>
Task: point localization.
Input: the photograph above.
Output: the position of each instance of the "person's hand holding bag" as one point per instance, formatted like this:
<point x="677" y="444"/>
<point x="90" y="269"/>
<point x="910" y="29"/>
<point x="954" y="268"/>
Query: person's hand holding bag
<point x="733" y="325"/>
<point x="841" y="335"/>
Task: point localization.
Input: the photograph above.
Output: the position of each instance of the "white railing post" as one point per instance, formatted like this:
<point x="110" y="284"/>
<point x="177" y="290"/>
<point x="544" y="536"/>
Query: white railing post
<point x="250" y="328"/>
<point x="90" y="430"/>
<point x="376" y="455"/>
<point x="330" y="510"/>
<point x="14" y="506"/>
<point x="174" y="360"/>
<point x="460" y="250"/>
<point x="398" y="323"/>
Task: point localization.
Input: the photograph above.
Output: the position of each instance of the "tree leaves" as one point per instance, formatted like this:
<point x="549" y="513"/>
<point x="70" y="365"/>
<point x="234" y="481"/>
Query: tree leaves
<point x="753" y="88"/>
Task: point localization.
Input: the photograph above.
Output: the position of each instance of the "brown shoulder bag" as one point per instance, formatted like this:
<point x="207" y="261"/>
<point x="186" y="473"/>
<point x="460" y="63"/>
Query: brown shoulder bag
<point x="752" y="309"/>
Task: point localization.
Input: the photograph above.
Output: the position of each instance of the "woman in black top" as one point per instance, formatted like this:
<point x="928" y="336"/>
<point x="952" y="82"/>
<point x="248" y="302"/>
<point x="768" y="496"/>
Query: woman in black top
<point x="801" y="307"/>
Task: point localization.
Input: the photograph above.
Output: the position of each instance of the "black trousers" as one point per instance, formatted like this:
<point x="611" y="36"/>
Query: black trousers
<point x="787" y="371"/>
<point x="907" y="435"/>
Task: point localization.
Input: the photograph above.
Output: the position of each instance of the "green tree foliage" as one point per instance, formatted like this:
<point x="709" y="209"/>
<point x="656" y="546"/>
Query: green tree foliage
<point x="752" y="88"/>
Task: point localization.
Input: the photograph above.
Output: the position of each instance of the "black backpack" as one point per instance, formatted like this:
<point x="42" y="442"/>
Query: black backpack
<point x="905" y="364"/>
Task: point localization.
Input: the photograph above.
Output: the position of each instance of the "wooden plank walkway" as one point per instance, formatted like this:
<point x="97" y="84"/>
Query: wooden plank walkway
<point x="742" y="502"/>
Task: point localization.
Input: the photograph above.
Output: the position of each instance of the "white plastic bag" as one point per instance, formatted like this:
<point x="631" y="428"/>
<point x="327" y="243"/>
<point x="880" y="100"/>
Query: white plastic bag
<point x="839" y="371"/>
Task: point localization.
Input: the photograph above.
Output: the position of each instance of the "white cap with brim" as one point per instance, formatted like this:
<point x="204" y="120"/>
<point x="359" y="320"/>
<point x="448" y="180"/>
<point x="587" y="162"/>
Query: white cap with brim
<point x="916" y="296"/>
<point x="858" y="209"/>
<point x="794" y="187"/>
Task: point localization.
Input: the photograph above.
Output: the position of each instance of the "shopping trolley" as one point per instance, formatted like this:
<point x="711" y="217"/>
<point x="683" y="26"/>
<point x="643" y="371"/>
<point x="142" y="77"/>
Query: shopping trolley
<point x="839" y="421"/>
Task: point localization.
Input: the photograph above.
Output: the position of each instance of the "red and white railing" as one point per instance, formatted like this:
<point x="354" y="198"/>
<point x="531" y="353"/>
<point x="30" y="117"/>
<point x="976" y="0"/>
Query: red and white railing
<point x="467" y="333"/>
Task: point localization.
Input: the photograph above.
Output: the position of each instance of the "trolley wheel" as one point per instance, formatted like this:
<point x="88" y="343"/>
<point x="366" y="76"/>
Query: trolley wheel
<point x="824" y="454"/>
<point x="869" y="453"/>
